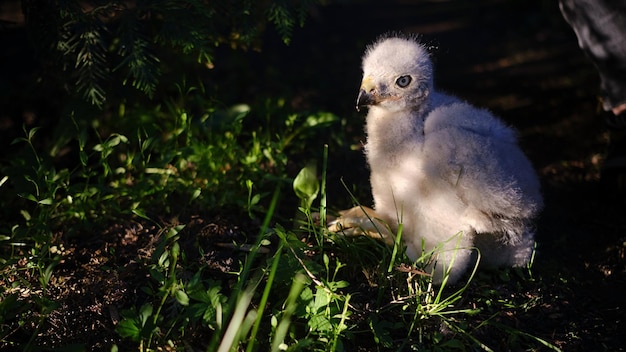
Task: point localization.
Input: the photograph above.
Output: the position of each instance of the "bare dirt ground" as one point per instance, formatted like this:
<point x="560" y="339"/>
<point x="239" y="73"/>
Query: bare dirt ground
<point x="517" y="58"/>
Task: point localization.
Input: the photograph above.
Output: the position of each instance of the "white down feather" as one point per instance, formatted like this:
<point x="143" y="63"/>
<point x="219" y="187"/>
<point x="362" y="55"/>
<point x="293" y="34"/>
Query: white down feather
<point x="443" y="167"/>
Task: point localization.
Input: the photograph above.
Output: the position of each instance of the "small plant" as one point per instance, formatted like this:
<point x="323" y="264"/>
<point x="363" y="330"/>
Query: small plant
<point x="143" y="325"/>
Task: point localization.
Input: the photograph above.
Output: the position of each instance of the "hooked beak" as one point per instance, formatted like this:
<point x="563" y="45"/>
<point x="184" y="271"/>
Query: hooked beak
<point x="367" y="93"/>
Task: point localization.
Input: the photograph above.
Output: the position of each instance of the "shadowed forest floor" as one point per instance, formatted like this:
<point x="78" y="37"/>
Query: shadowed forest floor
<point x="519" y="59"/>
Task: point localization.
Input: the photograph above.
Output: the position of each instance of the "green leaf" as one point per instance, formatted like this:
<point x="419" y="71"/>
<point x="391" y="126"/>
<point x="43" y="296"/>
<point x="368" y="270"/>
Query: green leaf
<point x="173" y="231"/>
<point x="306" y="295"/>
<point x="140" y="213"/>
<point x="320" y="323"/>
<point x="306" y="186"/>
<point x="181" y="297"/>
<point x="46" y="201"/>
<point x="282" y="18"/>
<point x="163" y="259"/>
<point x="321" y="300"/>
<point x="255" y="199"/>
<point x="30" y="197"/>
<point x="32" y="132"/>
<point x="128" y="328"/>
<point x="25" y="214"/>
<point x="144" y="313"/>
<point x="157" y="275"/>
<point x="196" y="193"/>
<point x="175" y="250"/>
<point x="320" y="119"/>
<point x="83" y="158"/>
<point x="338" y="284"/>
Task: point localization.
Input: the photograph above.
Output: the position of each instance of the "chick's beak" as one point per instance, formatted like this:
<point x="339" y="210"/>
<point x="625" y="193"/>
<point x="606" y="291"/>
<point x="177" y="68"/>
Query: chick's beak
<point x="367" y="93"/>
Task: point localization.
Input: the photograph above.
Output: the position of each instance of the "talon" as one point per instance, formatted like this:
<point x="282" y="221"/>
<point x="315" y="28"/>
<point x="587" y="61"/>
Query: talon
<point x="362" y="221"/>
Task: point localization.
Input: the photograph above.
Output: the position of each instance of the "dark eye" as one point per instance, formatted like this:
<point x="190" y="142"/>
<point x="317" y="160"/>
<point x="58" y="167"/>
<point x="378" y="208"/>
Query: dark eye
<point x="403" y="81"/>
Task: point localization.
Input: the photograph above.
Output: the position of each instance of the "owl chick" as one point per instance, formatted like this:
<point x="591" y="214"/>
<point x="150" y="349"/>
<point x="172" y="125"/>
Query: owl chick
<point x="452" y="174"/>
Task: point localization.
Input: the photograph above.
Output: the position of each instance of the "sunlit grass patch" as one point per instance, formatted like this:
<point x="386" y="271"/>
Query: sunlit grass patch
<point x="290" y="285"/>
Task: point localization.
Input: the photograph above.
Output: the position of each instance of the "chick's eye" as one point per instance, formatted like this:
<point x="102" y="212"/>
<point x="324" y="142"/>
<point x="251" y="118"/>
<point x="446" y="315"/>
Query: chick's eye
<point x="403" y="81"/>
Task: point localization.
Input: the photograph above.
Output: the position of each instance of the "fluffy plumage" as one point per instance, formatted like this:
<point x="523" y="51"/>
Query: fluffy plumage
<point x="451" y="173"/>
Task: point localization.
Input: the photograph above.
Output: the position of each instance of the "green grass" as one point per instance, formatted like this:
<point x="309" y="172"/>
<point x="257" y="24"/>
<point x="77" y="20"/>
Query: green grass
<point x="311" y="291"/>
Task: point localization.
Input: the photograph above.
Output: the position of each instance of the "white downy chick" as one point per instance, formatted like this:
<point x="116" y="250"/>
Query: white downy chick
<point x="451" y="173"/>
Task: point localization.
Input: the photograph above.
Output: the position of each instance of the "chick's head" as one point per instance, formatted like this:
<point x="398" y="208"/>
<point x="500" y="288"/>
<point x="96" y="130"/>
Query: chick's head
<point x="397" y="74"/>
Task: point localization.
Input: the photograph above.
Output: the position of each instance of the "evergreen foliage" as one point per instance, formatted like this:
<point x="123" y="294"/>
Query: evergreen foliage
<point x="93" y="43"/>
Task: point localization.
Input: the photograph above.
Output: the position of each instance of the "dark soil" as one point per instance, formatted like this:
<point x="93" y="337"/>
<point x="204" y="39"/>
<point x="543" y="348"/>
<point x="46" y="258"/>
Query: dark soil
<point x="517" y="58"/>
